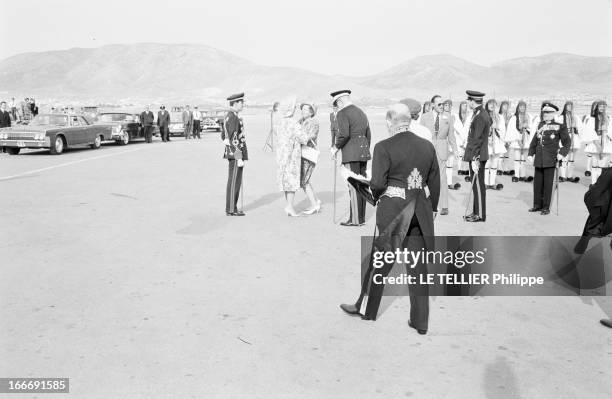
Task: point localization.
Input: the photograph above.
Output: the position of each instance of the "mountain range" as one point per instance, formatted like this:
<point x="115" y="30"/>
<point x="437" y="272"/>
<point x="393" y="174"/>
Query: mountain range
<point x="199" y="73"/>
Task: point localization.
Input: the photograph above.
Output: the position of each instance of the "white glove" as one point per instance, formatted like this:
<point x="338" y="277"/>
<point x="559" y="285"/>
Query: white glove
<point x="334" y="151"/>
<point x="226" y="142"/>
<point x="560" y="157"/>
<point x="240" y="163"/>
<point x="530" y="159"/>
<point x="475" y="166"/>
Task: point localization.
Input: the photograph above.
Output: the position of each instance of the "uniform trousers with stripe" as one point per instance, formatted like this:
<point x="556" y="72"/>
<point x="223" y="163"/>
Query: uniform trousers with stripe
<point x="543" y="187"/>
<point x="358" y="202"/>
<point x="479" y="192"/>
<point x="234" y="180"/>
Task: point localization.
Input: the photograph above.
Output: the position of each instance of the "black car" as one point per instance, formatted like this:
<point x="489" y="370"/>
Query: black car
<point x="124" y="127"/>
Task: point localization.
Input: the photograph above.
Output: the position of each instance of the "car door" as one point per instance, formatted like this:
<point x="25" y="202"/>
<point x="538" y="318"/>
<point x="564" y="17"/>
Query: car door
<point x="91" y="131"/>
<point x="73" y="132"/>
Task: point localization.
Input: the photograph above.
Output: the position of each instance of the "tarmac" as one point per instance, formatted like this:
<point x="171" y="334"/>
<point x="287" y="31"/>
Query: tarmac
<point x="122" y="272"/>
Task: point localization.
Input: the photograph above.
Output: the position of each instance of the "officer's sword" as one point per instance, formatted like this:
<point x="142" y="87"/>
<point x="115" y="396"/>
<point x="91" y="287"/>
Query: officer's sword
<point x="335" y="178"/>
<point x="557" y="184"/>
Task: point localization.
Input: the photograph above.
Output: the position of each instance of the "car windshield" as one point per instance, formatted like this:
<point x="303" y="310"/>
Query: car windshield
<point x="116" y="118"/>
<point x="43" y="120"/>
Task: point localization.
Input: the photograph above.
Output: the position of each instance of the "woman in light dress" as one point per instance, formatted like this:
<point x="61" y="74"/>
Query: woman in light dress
<point x="291" y="135"/>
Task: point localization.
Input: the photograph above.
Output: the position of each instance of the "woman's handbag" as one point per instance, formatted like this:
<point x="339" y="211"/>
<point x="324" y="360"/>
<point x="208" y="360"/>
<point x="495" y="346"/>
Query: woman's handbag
<point x="311" y="154"/>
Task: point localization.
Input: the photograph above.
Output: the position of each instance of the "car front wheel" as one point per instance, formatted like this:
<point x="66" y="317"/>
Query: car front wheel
<point x="125" y="140"/>
<point x="97" y="142"/>
<point x="57" y="147"/>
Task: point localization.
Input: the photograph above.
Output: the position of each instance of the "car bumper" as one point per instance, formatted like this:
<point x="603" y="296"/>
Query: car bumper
<point x="25" y="143"/>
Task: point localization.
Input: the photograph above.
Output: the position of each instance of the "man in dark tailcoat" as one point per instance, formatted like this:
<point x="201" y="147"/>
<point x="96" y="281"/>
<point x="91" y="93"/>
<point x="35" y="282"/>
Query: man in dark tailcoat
<point x="353" y="140"/>
<point x="404" y="168"/>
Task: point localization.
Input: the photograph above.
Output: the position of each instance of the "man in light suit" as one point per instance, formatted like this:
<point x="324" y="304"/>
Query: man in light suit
<point x="441" y="127"/>
<point x="187" y="122"/>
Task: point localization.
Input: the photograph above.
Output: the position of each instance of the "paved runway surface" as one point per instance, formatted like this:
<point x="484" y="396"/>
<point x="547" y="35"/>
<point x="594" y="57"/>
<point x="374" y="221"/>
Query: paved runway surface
<point x="121" y="271"/>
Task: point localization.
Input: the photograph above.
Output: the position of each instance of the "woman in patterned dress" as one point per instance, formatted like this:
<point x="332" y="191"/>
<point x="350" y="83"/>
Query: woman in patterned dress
<point x="290" y="137"/>
<point x="311" y="127"/>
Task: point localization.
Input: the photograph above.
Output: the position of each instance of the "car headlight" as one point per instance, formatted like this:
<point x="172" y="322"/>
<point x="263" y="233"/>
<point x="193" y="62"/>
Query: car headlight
<point x="3" y="136"/>
<point x="39" y="136"/>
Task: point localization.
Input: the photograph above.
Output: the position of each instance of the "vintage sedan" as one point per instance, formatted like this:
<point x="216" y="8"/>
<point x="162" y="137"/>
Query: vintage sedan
<point x="212" y="120"/>
<point x="122" y="127"/>
<point x="55" y="132"/>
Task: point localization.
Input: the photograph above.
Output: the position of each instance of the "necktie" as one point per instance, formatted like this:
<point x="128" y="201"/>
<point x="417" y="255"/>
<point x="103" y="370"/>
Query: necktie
<point x="437" y="124"/>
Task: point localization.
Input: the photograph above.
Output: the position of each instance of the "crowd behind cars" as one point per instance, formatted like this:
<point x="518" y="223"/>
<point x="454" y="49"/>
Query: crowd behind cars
<point x="22" y="126"/>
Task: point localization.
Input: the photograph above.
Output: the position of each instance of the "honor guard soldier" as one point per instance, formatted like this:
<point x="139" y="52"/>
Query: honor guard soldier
<point x="353" y="139"/>
<point x="545" y="153"/>
<point x="404" y="168"/>
<point x="477" y="154"/>
<point x="236" y="153"/>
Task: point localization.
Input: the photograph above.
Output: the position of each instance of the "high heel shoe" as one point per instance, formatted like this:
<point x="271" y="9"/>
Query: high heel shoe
<point x="291" y="212"/>
<point x="316" y="209"/>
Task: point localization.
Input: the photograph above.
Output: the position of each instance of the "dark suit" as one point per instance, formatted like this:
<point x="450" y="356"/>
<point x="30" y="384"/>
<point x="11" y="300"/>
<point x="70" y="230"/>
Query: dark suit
<point x="163" y="121"/>
<point x="406" y="163"/>
<point x="5" y="119"/>
<point x="545" y="147"/>
<point x="477" y="148"/>
<point x="146" y="121"/>
<point x="353" y="139"/>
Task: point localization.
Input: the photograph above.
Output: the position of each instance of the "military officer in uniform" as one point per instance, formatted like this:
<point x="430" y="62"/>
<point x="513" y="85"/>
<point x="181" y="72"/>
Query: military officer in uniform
<point x="544" y="153"/>
<point x="477" y="154"/>
<point x="236" y="153"/>
<point x="353" y="139"/>
<point x="404" y="166"/>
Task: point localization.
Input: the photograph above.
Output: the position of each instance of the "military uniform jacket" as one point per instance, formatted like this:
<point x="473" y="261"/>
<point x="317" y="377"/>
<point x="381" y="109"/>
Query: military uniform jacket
<point x="409" y="162"/>
<point x="354" y="135"/>
<point x="545" y="144"/>
<point x="233" y="130"/>
<point x="478" y="136"/>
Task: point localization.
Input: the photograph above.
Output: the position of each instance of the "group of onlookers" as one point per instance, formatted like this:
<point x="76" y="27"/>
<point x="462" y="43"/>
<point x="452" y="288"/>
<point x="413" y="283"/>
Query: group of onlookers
<point x="21" y="111"/>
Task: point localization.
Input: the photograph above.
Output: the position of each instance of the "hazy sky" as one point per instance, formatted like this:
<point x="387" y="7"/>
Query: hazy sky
<point x="354" y="37"/>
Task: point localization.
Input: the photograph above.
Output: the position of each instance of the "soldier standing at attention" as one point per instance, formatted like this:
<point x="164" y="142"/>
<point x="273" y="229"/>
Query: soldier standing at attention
<point x="545" y="147"/>
<point x="477" y="154"/>
<point x="236" y="153"/>
<point x="353" y="139"/>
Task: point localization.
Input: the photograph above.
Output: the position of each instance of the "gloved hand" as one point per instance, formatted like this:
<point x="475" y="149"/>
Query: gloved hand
<point x="334" y="151"/>
<point x="475" y="166"/>
<point x="560" y="157"/>
<point x="226" y="142"/>
<point x="240" y="163"/>
<point x="530" y="159"/>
